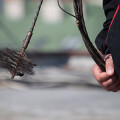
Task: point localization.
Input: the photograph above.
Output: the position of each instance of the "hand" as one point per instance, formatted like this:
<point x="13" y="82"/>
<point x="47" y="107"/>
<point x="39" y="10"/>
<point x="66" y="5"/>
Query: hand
<point x="109" y="80"/>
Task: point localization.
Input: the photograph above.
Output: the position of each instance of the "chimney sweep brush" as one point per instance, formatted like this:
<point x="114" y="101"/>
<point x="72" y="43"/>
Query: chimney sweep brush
<point x="18" y="63"/>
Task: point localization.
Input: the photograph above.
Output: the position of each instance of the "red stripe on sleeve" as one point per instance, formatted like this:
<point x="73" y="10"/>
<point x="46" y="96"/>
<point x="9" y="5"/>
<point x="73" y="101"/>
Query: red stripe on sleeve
<point x="114" y="17"/>
<point x="113" y="20"/>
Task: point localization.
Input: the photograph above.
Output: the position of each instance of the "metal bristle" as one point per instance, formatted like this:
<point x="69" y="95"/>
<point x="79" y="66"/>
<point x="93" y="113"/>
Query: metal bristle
<point x="8" y="60"/>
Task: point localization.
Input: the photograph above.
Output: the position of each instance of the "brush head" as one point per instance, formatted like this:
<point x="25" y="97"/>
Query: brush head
<point x="9" y="58"/>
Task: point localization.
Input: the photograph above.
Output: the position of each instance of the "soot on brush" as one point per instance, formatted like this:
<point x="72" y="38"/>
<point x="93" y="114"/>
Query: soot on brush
<point x="8" y="60"/>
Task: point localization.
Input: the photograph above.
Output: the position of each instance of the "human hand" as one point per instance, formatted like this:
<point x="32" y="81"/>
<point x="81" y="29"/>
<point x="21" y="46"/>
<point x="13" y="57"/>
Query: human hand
<point x="109" y="80"/>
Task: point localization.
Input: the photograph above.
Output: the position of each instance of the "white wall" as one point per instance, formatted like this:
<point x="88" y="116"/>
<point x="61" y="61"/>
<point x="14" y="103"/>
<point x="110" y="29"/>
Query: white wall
<point x="14" y="9"/>
<point x="51" y="13"/>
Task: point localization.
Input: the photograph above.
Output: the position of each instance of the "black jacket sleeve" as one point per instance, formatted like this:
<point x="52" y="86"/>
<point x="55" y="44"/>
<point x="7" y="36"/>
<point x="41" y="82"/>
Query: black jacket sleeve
<point x="108" y="40"/>
<point x="109" y="7"/>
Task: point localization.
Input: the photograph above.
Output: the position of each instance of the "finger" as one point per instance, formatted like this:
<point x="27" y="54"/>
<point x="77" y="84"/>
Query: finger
<point x="103" y="77"/>
<point x="117" y="87"/>
<point x="111" y="81"/>
<point x="115" y="77"/>
<point x="99" y="75"/>
<point x="96" y="69"/>
<point x="107" y="83"/>
<point x="109" y="65"/>
<point x="114" y="87"/>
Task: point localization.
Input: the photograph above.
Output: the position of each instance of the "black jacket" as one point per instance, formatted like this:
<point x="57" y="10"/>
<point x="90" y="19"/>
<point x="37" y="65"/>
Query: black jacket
<point x="108" y="40"/>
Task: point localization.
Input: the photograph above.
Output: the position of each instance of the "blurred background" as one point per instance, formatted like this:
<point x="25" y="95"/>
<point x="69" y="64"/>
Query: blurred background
<point x="63" y="87"/>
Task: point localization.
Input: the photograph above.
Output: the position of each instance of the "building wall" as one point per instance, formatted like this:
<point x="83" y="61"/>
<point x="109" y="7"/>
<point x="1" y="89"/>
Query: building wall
<point x="47" y="36"/>
<point x="14" y="9"/>
<point x="51" y="13"/>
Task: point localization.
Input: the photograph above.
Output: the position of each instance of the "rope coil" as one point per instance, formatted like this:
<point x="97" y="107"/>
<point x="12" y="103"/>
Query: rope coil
<point x="78" y="9"/>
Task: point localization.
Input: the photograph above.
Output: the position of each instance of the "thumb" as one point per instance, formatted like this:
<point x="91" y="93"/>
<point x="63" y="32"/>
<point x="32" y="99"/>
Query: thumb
<point x="109" y="65"/>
